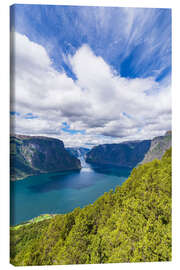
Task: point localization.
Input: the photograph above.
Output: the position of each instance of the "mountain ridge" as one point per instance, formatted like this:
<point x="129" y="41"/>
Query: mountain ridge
<point x="30" y="155"/>
<point x="158" y="147"/>
<point x="129" y="153"/>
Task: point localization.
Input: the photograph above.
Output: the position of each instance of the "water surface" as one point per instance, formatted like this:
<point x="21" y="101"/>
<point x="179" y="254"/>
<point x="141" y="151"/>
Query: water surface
<point x="55" y="193"/>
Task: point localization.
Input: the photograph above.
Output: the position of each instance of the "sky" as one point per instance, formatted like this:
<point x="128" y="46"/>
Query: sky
<point x="90" y="75"/>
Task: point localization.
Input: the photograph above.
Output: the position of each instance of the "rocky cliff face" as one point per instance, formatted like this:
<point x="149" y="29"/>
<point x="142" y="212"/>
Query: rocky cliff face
<point x="158" y="147"/>
<point x="129" y="154"/>
<point x="33" y="154"/>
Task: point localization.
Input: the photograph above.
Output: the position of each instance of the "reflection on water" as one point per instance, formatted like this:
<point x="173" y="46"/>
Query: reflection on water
<point x="61" y="192"/>
<point x="86" y="169"/>
<point x="112" y="170"/>
<point x="77" y="179"/>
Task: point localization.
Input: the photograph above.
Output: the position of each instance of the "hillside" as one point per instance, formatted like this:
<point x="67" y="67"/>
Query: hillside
<point x="126" y="154"/>
<point x="158" y="147"/>
<point x="132" y="224"/>
<point x="129" y="154"/>
<point x="34" y="154"/>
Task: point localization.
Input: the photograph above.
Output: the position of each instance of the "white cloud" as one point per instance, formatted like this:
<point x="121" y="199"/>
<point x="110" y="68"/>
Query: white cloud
<point x="110" y="108"/>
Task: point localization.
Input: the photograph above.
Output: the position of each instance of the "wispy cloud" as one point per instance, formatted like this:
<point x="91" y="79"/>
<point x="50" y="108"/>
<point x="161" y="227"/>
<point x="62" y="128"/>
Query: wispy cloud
<point x="135" y="41"/>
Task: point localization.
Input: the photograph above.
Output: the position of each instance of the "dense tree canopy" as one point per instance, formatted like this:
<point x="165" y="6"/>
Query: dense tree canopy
<point x="131" y="224"/>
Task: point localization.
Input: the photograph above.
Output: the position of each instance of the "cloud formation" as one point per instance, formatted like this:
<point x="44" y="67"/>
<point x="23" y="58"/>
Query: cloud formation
<point x="135" y="41"/>
<point x="107" y="106"/>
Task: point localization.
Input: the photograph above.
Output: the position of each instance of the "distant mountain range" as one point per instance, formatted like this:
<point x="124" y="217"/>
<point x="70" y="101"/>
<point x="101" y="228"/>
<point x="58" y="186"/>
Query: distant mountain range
<point x="78" y="151"/>
<point x="129" y="154"/>
<point x="34" y="154"/>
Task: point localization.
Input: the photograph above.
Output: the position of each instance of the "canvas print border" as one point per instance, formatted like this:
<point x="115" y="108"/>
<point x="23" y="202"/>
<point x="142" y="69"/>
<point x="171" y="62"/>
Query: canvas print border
<point x="110" y="229"/>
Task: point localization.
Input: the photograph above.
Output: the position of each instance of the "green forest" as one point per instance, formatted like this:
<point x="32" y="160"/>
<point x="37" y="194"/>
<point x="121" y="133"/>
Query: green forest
<point x="130" y="224"/>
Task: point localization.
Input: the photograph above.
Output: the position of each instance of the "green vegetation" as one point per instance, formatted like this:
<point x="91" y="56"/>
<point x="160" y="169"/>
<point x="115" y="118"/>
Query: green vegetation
<point x="132" y="224"/>
<point x="34" y="220"/>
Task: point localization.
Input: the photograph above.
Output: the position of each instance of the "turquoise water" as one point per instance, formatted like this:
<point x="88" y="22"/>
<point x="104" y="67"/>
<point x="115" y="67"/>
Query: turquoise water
<point x="57" y="193"/>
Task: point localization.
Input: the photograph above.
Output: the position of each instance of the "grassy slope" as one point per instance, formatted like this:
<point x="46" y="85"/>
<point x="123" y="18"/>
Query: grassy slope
<point x="132" y="224"/>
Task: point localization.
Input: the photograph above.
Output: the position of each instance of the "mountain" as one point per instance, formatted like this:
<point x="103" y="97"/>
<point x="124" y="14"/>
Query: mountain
<point x="129" y="154"/>
<point x="158" y="147"/>
<point x="131" y="224"/>
<point x="80" y="153"/>
<point x="31" y="155"/>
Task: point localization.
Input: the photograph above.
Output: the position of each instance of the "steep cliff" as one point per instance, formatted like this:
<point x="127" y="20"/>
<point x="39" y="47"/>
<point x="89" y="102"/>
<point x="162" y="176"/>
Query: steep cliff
<point x="34" y="154"/>
<point x="127" y="154"/>
<point x="158" y="147"/>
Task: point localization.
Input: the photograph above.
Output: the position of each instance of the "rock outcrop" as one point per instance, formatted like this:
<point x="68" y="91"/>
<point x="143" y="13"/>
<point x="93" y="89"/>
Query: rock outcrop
<point x="158" y="147"/>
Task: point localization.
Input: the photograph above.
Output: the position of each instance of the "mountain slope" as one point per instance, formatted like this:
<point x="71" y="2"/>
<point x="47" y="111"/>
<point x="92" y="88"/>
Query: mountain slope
<point x="129" y="154"/>
<point x="158" y="147"/>
<point x="132" y="224"/>
<point x="33" y="154"/>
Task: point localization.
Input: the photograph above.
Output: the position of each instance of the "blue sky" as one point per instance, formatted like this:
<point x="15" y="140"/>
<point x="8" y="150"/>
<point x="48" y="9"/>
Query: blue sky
<point x="62" y="30"/>
<point x="131" y="45"/>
